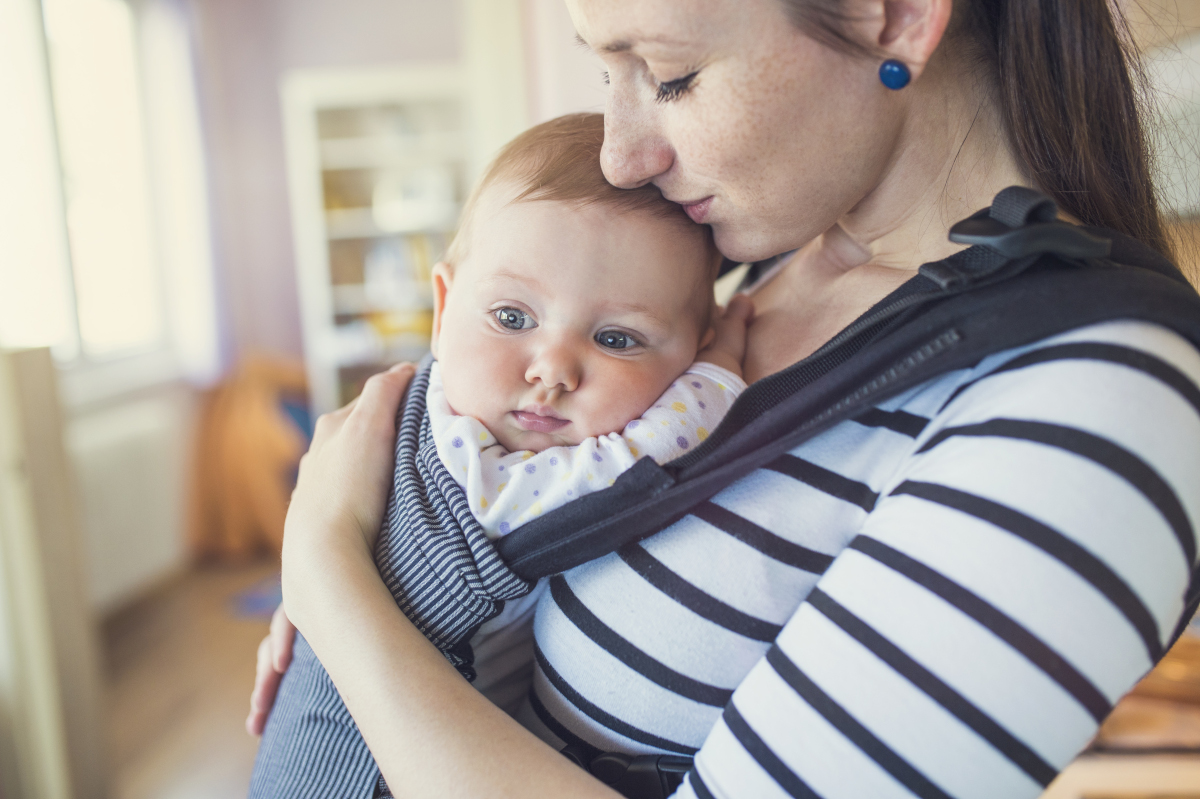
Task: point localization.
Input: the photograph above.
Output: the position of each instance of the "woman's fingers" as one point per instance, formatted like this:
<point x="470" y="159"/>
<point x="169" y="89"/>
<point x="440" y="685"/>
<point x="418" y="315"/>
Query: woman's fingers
<point x="266" y="685"/>
<point x="274" y="657"/>
<point x="728" y="345"/>
<point x="282" y="638"/>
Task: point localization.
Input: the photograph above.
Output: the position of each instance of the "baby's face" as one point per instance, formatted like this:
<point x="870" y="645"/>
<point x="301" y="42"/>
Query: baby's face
<point x="564" y="323"/>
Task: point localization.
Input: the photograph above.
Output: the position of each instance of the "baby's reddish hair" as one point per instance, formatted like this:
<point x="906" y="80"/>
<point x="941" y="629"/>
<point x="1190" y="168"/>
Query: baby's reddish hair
<point x="559" y="161"/>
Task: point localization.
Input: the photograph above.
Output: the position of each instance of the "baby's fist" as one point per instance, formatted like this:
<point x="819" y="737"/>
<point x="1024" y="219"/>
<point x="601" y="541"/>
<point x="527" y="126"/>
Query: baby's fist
<point x="726" y="345"/>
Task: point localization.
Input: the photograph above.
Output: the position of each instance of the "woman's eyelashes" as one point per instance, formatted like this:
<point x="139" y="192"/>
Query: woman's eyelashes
<point x="616" y="340"/>
<point x="674" y="89"/>
<point x="669" y="90"/>
<point x="513" y="319"/>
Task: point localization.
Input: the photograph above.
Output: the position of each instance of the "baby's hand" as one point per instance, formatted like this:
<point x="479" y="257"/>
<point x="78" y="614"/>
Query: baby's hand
<point x="727" y="347"/>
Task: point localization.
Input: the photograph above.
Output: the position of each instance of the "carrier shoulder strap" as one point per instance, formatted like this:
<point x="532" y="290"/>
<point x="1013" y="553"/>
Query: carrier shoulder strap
<point x="1027" y="277"/>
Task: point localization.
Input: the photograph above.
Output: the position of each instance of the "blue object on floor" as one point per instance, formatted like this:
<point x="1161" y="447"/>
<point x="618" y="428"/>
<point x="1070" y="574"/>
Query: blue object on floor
<point x="259" y="600"/>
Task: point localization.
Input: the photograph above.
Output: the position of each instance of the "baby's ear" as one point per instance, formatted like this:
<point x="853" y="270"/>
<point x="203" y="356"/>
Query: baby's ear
<point x="443" y="277"/>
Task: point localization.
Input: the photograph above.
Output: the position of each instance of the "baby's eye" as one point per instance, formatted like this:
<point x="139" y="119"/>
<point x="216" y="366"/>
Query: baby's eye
<point x="615" y="340"/>
<point x="514" y="319"/>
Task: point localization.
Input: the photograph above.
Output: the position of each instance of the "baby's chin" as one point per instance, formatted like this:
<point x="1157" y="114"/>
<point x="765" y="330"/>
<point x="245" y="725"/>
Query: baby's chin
<point x="525" y="441"/>
<point x="515" y="439"/>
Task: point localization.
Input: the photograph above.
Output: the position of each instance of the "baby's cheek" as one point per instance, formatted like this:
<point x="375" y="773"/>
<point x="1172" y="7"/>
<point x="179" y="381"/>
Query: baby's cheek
<point x="623" y="399"/>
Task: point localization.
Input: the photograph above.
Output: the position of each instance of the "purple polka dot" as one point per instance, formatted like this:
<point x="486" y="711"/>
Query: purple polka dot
<point x="570" y="493"/>
<point x="596" y="457"/>
<point x="457" y="442"/>
<point x="633" y="424"/>
<point x="702" y="406"/>
<point x="530" y="468"/>
<point x="554" y="461"/>
<point x="504" y="528"/>
<point x="697" y="385"/>
<point x="682" y="442"/>
<point x="537" y="493"/>
<point x="501" y="468"/>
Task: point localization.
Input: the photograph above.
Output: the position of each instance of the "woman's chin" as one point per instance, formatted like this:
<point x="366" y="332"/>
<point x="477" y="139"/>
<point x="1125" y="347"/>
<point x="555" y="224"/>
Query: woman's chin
<point x="744" y="246"/>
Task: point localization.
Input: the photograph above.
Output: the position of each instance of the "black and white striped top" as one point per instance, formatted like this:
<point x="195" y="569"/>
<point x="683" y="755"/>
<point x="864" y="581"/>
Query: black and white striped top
<point x="943" y="598"/>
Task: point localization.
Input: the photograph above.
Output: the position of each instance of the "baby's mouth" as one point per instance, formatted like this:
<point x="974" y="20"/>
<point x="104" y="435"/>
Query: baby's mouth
<point x="539" y="422"/>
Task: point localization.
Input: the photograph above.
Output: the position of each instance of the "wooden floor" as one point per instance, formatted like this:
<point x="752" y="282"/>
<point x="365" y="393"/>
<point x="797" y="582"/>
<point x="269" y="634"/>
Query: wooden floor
<point x="180" y="665"/>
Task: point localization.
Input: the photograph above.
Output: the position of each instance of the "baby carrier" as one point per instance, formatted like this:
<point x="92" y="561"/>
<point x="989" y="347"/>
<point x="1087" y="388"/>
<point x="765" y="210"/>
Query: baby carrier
<point x="1026" y="277"/>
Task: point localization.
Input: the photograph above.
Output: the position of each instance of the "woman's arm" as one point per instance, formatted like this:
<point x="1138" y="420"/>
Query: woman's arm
<point x="430" y="731"/>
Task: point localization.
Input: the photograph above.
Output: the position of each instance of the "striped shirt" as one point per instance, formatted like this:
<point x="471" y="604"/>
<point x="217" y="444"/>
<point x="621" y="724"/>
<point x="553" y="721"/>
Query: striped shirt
<point x="943" y="598"/>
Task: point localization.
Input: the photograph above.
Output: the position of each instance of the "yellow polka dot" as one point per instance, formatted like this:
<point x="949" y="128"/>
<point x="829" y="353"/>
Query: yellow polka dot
<point x="664" y="424"/>
<point x="483" y="502"/>
<point x="610" y="482"/>
<point x="483" y="436"/>
<point x="633" y="451"/>
<point x="500" y="487"/>
<point x="516" y="506"/>
<point x="591" y="476"/>
<point x="678" y="407"/>
<point x="566" y="477"/>
<point x="683" y="422"/>
<point x="722" y="386"/>
<point x="526" y="455"/>
<point x="649" y="435"/>
<point x="536" y="510"/>
<point x="701" y="433"/>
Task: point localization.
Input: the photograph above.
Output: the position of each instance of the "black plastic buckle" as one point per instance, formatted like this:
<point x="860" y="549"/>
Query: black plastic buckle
<point x="1034" y="238"/>
<point x="640" y="777"/>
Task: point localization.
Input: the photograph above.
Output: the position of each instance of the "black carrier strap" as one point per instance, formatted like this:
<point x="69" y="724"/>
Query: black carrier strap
<point x="1027" y="276"/>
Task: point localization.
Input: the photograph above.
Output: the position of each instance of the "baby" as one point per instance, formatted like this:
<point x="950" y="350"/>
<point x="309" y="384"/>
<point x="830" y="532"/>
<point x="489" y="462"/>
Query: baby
<point x="567" y="319"/>
<point x="574" y="332"/>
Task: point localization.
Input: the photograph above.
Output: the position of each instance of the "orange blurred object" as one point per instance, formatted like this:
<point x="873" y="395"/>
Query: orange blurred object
<point x="247" y="451"/>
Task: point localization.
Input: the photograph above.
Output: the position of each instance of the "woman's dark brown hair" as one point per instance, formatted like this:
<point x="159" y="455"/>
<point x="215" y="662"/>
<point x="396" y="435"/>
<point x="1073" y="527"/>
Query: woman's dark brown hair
<point x="1069" y="87"/>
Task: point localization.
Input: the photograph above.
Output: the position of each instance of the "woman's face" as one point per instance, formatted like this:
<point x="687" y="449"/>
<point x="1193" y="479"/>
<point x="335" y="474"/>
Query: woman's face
<point x="732" y="111"/>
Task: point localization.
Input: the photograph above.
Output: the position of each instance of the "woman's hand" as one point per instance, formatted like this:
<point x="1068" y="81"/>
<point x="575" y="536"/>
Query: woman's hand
<point x="342" y="487"/>
<point x="274" y="657"/>
<point x="338" y="505"/>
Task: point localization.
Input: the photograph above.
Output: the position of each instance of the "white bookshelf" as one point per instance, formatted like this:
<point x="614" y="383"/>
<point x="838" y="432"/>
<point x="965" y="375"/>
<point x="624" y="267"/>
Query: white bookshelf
<point x="379" y="164"/>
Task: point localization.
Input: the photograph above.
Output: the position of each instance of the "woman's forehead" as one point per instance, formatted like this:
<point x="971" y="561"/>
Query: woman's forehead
<point x="612" y="26"/>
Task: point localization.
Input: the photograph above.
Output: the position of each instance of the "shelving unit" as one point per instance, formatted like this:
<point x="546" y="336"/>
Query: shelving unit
<point x="379" y="163"/>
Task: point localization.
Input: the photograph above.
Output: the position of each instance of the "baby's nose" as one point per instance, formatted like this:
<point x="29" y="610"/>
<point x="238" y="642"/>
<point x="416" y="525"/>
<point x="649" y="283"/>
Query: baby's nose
<point x="555" y="367"/>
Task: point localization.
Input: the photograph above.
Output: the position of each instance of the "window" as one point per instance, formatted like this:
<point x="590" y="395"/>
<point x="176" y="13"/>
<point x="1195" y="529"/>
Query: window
<point x="113" y="263"/>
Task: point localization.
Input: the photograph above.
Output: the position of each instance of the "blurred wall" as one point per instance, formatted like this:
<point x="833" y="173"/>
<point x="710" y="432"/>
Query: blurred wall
<point x="243" y="47"/>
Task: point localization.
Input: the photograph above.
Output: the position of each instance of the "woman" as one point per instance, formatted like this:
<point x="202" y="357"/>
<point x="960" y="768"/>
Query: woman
<point x="903" y="605"/>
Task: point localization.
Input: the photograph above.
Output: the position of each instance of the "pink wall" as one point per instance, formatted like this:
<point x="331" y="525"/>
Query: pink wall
<point x="243" y="48"/>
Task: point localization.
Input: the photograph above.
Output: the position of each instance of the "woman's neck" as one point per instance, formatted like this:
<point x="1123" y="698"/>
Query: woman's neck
<point x="951" y="157"/>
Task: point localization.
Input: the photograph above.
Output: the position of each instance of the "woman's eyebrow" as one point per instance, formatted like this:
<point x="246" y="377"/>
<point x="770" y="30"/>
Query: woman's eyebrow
<point x="614" y="47"/>
<point x="621" y="45"/>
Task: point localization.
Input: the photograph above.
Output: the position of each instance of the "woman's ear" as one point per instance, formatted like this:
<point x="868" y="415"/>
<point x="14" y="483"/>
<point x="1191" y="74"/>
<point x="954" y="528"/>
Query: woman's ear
<point x="912" y="30"/>
<point x="443" y="277"/>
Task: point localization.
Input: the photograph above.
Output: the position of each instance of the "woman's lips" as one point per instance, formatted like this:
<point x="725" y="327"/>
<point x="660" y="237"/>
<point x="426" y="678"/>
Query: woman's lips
<point x="538" y="423"/>
<point x="698" y="210"/>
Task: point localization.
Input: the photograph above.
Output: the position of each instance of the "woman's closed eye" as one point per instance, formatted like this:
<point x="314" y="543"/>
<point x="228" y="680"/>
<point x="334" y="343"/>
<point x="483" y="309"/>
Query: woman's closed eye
<point x="616" y="340"/>
<point x="670" y="90"/>
<point x="513" y="319"/>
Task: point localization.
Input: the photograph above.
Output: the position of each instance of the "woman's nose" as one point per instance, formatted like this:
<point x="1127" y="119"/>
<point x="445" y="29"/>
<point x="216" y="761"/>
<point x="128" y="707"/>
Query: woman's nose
<point x="634" y="151"/>
<point x="555" y="366"/>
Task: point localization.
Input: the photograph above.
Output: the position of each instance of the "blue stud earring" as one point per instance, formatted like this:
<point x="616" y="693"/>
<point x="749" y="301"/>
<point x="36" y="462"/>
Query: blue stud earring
<point x="894" y="74"/>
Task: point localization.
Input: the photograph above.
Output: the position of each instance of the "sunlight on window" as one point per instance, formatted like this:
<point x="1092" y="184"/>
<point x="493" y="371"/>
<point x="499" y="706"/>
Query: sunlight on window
<point x="35" y="290"/>
<point x="93" y="68"/>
